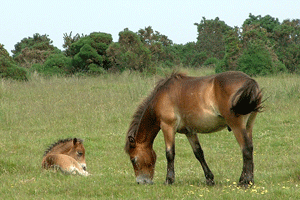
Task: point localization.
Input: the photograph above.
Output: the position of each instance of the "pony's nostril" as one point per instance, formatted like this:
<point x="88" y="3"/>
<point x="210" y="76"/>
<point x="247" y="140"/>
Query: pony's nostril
<point x="84" y="168"/>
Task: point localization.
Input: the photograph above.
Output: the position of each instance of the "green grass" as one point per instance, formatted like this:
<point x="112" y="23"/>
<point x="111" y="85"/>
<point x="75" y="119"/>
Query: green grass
<point x="36" y="113"/>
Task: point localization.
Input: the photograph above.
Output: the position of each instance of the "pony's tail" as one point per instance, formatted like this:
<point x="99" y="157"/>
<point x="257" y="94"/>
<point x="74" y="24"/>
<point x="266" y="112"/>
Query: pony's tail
<point x="247" y="99"/>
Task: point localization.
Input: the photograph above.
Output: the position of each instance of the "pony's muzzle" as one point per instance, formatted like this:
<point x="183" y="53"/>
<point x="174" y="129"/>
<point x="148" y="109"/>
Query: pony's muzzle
<point x="143" y="179"/>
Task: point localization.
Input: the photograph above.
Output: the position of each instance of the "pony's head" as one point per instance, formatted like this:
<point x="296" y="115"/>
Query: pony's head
<point x="143" y="160"/>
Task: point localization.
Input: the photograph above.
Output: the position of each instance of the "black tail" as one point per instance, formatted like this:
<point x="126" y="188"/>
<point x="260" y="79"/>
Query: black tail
<point x="247" y="99"/>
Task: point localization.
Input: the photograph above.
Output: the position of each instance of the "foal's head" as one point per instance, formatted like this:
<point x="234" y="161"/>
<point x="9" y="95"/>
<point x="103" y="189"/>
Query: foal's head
<point x="71" y="147"/>
<point x="143" y="160"/>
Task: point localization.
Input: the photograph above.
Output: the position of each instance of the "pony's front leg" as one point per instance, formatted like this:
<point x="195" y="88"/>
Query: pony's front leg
<point x="170" y="154"/>
<point x="194" y="141"/>
<point x="169" y="136"/>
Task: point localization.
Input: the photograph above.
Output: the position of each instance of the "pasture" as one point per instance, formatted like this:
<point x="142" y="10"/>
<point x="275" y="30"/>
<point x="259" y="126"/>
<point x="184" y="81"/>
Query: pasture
<point x="36" y="113"/>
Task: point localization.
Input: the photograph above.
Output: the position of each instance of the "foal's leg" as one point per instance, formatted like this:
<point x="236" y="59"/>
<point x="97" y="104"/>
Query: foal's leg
<point x="194" y="141"/>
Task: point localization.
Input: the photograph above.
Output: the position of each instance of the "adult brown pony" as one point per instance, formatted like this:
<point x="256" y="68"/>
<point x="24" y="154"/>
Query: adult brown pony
<point x="68" y="155"/>
<point x="192" y="105"/>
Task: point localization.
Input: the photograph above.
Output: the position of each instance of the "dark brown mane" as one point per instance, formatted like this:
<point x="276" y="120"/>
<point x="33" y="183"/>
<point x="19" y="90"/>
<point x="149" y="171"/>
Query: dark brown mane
<point x="59" y="142"/>
<point x="147" y="104"/>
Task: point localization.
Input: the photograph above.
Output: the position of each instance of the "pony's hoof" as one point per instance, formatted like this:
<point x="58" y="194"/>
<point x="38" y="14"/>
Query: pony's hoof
<point x="169" y="181"/>
<point x="246" y="184"/>
<point x="210" y="182"/>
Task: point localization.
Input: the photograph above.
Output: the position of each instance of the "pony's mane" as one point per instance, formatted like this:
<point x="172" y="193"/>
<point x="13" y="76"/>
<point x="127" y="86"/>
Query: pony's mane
<point x="59" y="142"/>
<point x="162" y="84"/>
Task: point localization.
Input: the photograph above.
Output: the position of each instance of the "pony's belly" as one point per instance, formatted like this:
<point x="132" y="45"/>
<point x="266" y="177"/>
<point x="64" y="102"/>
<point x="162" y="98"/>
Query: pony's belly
<point x="202" y="124"/>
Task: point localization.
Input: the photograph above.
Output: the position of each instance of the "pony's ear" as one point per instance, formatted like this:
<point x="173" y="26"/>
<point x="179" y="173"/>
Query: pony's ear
<point x="74" y="141"/>
<point x="131" y="141"/>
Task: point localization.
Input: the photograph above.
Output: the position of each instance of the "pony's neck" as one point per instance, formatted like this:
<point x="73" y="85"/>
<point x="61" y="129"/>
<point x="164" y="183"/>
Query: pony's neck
<point x="148" y="129"/>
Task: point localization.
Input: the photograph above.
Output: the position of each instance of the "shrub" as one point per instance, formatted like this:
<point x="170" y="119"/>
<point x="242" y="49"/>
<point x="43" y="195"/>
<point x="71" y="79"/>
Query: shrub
<point x="8" y="67"/>
<point x="211" y="61"/>
<point x="89" y="50"/>
<point x="96" y="69"/>
<point x="257" y="60"/>
<point x="129" y="53"/>
<point x="86" y="56"/>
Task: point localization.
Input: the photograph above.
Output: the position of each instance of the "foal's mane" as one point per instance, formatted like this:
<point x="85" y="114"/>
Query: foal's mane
<point x="59" y="142"/>
<point x="147" y="103"/>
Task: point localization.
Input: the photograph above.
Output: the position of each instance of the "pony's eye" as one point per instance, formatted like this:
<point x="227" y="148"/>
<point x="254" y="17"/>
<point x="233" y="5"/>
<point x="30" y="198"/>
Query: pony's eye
<point x="79" y="153"/>
<point x="133" y="160"/>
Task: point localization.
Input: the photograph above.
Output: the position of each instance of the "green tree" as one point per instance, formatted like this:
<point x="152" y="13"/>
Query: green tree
<point x="129" y="53"/>
<point x="252" y="50"/>
<point x="33" y="50"/>
<point x="287" y="36"/>
<point x="267" y="22"/>
<point x="69" y="40"/>
<point x="8" y="67"/>
<point x="55" y="64"/>
<point x="211" y="37"/>
<point x="90" y="51"/>
<point x="233" y="50"/>
<point x="155" y="42"/>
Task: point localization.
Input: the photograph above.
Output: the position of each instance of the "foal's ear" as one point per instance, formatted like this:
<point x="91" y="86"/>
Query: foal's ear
<point x="74" y="141"/>
<point x="131" y="141"/>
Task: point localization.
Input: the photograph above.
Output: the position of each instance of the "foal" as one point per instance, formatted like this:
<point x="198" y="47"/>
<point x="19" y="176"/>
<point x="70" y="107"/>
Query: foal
<point x="68" y="155"/>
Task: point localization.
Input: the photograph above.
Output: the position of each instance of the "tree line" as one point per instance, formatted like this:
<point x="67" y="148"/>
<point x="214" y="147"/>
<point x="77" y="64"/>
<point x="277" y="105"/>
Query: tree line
<point x="261" y="46"/>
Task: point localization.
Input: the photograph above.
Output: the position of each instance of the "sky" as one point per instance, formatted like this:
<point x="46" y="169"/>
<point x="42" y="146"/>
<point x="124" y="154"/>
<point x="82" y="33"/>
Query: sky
<point x="174" y="18"/>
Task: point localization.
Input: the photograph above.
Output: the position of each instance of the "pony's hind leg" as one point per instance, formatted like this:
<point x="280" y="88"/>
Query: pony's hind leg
<point x="194" y="141"/>
<point x="244" y="137"/>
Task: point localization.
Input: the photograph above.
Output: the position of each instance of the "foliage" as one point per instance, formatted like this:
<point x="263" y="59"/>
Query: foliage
<point x="56" y="64"/>
<point x="211" y="62"/>
<point x="287" y="36"/>
<point x="255" y="60"/>
<point x="8" y="67"/>
<point x="217" y="44"/>
<point x="252" y="50"/>
<point x="267" y="22"/>
<point x="33" y="50"/>
<point x="156" y="43"/>
<point x="188" y="55"/>
<point x="90" y="51"/>
<point x="69" y="40"/>
<point x="129" y="53"/>
<point x="211" y="37"/>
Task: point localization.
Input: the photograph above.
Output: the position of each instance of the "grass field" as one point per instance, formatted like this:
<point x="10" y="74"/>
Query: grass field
<point x="37" y="113"/>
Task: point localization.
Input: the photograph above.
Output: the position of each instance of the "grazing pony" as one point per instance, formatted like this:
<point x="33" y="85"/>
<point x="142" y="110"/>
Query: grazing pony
<point x="192" y="105"/>
<point x="68" y="155"/>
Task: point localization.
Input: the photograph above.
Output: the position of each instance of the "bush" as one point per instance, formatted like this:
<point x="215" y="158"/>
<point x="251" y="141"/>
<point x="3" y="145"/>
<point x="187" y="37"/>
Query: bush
<point x="16" y="73"/>
<point x="86" y="56"/>
<point x="90" y="50"/>
<point x="199" y="59"/>
<point x="96" y="69"/>
<point x="129" y="53"/>
<point x="8" y="67"/>
<point x="211" y="61"/>
<point x="221" y="66"/>
<point x="54" y="65"/>
<point x="257" y="60"/>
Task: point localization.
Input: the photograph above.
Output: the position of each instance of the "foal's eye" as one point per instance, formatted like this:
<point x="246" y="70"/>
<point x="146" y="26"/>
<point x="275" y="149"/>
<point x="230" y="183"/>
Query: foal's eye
<point x="79" y="153"/>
